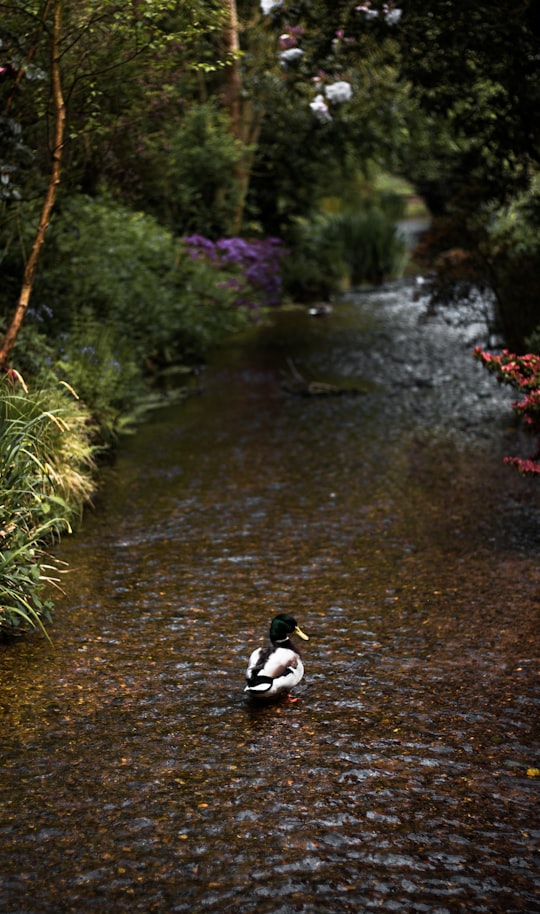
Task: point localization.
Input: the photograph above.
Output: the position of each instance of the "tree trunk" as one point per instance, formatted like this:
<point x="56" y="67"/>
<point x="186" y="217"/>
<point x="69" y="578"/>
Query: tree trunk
<point x="50" y="197"/>
<point x="230" y="96"/>
<point x="245" y="119"/>
<point x="243" y="169"/>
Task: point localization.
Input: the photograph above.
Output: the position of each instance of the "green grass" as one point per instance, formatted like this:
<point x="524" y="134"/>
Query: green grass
<point x="46" y="476"/>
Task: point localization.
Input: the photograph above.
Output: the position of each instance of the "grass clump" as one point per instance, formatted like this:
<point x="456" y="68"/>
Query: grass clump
<point x="46" y="476"/>
<point x="346" y="245"/>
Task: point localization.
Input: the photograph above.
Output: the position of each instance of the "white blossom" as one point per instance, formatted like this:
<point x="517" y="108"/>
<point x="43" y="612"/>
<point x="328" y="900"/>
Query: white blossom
<point x="290" y="55"/>
<point x="393" y="16"/>
<point x="320" y="108"/>
<point x="370" y="14"/>
<point x="339" y="92"/>
<point x="268" y="5"/>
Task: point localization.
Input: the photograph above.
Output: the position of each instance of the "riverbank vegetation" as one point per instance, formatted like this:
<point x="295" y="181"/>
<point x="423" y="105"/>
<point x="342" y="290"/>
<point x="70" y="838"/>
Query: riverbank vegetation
<point x="46" y="478"/>
<point x="170" y="170"/>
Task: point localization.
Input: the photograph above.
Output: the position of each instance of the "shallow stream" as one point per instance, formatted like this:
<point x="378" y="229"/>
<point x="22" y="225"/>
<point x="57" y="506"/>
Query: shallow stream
<point x="136" y="776"/>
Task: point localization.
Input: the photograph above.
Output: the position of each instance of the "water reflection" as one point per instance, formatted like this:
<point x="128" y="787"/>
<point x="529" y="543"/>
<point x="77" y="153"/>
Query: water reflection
<point x="137" y="776"/>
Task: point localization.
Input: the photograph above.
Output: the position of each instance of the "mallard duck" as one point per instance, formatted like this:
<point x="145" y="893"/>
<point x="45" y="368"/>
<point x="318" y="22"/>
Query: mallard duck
<point x="321" y="309"/>
<point x="276" y="669"/>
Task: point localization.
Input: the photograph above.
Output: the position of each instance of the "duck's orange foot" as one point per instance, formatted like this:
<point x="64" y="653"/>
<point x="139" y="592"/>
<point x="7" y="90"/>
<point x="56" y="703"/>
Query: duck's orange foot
<point x="291" y="699"/>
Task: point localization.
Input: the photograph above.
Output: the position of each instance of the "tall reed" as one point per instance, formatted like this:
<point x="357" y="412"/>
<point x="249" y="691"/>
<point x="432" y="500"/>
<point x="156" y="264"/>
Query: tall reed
<point x="371" y="247"/>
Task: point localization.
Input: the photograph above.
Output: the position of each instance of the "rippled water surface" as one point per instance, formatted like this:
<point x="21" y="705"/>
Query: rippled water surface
<point x="136" y="776"/>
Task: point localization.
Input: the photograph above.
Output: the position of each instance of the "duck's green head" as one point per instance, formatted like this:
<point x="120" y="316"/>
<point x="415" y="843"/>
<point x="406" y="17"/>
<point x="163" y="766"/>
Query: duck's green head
<point x="283" y="626"/>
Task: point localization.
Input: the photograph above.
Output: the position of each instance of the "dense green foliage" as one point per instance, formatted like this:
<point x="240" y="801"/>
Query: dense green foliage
<point x="117" y="297"/>
<point x="474" y="70"/>
<point x="186" y="175"/>
<point x="136" y="278"/>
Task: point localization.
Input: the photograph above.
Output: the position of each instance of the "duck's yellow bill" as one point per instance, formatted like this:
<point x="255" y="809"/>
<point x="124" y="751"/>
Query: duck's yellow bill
<point x="298" y="631"/>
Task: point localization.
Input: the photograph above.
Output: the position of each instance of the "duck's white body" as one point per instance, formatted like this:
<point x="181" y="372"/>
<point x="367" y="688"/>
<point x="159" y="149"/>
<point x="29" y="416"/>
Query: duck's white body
<point x="275" y="674"/>
<point x="276" y="669"/>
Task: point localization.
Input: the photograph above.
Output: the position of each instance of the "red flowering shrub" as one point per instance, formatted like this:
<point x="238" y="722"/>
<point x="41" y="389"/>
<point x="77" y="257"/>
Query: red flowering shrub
<point x="523" y="373"/>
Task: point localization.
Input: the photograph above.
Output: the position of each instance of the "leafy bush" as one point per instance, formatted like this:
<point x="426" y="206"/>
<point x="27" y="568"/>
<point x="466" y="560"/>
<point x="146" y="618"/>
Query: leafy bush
<point x="188" y="176"/>
<point x="313" y="267"/>
<point x="46" y="476"/>
<point x="512" y="249"/>
<point x="533" y="341"/>
<point x="109" y="260"/>
<point x="152" y="300"/>
<point x="100" y="364"/>
<point x="118" y="295"/>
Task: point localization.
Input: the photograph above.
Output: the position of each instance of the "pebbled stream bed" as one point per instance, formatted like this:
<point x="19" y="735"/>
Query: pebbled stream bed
<point x="135" y="775"/>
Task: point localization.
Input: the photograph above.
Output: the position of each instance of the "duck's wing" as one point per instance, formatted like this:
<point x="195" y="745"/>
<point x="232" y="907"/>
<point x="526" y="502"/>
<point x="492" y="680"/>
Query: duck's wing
<point x="272" y="671"/>
<point x="280" y="662"/>
<point x="256" y="661"/>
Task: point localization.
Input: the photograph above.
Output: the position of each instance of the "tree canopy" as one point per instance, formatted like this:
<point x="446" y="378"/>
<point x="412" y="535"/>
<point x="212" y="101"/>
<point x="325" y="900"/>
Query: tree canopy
<point x="234" y="116"/>
<point x="473" y="67"/>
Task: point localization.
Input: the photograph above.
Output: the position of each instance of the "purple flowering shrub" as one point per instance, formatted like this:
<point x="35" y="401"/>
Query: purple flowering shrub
<point x="253" y="265"/>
